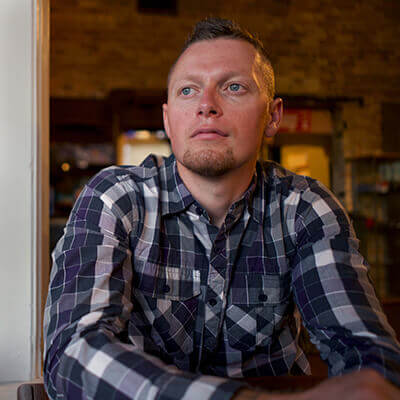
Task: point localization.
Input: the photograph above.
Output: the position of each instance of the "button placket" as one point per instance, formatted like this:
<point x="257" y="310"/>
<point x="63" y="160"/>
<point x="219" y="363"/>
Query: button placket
<point x="213" y="305"/>
<point x="210" y="343"/>
<point x="263" y="297"/>
<point x="212" y="302"/>
<point x="166" y="288"/>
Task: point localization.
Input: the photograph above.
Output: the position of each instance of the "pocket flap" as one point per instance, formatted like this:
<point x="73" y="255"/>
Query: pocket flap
<point x="261" y="289"/>
<point x="170" y="283"/>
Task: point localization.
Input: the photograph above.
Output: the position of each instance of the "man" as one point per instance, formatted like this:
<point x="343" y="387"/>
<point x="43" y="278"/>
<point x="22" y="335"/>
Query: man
<point x="175" y="277"/>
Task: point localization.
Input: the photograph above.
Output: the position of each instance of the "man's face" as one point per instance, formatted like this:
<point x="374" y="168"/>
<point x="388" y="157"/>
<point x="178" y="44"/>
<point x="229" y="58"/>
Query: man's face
<point x="218" y="107"/>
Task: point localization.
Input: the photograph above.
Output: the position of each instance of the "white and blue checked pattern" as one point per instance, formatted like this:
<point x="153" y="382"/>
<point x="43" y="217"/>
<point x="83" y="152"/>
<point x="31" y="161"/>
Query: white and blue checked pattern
<point x="149" y="300"/>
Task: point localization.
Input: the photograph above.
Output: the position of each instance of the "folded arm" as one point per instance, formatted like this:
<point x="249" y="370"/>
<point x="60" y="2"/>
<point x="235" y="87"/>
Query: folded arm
<point x="338" y="307"/>
<point x="87" y="350"/>
<point x="334" y="294"/>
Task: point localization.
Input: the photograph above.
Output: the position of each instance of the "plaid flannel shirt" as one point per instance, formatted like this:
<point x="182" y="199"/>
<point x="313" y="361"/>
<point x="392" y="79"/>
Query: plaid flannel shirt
<point x="148" y="300"/>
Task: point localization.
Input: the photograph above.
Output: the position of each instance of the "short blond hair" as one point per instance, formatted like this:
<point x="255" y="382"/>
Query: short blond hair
<point x="219" y="28"/>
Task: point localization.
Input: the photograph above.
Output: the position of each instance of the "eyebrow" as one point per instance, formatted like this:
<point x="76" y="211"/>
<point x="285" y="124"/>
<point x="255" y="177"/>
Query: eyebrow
<point x="227" y="75"/>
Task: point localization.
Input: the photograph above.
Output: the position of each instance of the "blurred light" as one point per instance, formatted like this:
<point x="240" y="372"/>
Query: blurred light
<point x="65" y="167"/>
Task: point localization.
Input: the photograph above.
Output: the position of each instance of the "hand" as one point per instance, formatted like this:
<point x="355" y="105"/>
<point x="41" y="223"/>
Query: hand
<point x="253" y="394"/>
<point x="366" y="384"/>
<point x="360" y="385"/>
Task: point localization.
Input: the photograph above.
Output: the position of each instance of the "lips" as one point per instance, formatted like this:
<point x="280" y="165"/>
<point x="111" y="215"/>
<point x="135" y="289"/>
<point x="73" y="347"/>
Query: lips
<point x="209" y="131"/>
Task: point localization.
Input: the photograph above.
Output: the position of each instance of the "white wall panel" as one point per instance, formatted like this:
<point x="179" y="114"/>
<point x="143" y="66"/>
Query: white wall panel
<point x="17" y="189"/>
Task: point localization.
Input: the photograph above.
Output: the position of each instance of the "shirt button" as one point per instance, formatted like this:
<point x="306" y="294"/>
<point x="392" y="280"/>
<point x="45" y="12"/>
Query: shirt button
<point x="219" y="249"/>
<point x="212" y="302"/>
<point x="263" y="297"/>
<point x="166" y="289"/>
<point x="210" y="343"/>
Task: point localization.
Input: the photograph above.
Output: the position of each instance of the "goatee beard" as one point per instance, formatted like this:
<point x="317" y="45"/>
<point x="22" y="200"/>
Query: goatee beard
<point x="209" y="163"/>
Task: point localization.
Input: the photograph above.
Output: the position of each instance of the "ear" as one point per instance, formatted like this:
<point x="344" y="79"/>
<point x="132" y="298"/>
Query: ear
<point x="165" y="119"/>
<point x="275" y="117"/>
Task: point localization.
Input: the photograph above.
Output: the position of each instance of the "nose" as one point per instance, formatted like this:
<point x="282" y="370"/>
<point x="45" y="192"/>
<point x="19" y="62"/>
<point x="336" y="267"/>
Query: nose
<point x="209" y="105"/>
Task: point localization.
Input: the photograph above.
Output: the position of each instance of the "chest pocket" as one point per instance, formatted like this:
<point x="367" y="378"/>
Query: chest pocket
<point x="256" y="309"/>
<point x="165" y="306"/>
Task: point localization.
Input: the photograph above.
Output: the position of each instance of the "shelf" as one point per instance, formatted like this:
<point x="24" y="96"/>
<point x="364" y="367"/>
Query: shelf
<point x="379" y="188"/>
<point x="58" y="221"/>
<point x="377" y="156"/>
<point x="373" y="224"/>
<point x="75" y="171"/>
<point x="72" y="119"/>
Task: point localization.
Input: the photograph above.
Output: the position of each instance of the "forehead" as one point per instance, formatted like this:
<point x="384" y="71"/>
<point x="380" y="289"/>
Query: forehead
<point x="212" y="56"/>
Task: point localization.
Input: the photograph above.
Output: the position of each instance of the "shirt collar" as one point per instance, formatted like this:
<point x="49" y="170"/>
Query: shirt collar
<point x="263" y="193"/>
<point x="175" y="197"/>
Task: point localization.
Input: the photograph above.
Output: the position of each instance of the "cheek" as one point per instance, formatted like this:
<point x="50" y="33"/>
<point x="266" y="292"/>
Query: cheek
<point x="179" y="119"/>
<point x="250" y="121"/>
<point x="250" y="124"/>
<point x="177" y="128"/>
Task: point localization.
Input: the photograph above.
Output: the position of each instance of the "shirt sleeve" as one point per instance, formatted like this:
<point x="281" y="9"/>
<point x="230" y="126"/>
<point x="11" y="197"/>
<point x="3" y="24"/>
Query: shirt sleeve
<point x="87" y="350"/>
<point x="333" y="291"/>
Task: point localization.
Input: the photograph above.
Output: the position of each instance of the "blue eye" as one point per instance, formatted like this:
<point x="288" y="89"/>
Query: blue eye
<point x="234" y="87"/>
<point x="186" y="91"/>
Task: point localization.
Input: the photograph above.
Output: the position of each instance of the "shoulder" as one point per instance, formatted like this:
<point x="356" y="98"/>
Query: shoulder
<point x="286" y="182"/>
<point x="310" y="210"/>
<point x="148" y="172"/>
<point x="303" y="194"/>
<point x="122" y="189"/>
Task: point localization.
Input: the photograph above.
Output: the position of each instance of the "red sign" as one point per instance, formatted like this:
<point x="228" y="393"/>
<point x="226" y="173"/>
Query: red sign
<point x="296" y="121"/>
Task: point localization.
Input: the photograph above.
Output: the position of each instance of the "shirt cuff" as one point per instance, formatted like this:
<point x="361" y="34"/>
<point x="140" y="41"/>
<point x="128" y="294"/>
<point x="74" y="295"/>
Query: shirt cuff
<point x="204" y="387"/>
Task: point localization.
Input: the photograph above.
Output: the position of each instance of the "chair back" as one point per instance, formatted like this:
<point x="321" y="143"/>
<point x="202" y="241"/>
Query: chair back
<point x="31" y="391"/>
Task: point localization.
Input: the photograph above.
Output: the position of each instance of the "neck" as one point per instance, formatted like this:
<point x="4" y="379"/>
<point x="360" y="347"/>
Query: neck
<point x="217" y="194"/>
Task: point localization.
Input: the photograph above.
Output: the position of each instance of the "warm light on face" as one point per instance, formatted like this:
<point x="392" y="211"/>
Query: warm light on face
<point x="217" y="108"/>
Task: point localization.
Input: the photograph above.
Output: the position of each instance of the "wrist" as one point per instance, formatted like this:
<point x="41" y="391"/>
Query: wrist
<point x="247" y="393"/>
<point x="258" y="394"/>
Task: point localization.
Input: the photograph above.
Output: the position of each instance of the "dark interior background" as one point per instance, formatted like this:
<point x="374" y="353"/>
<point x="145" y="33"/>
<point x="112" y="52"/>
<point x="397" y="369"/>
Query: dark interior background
<point x="109" y="65"/>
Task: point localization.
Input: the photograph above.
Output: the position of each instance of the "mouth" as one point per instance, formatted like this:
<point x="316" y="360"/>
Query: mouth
<point x="208" y="133"/>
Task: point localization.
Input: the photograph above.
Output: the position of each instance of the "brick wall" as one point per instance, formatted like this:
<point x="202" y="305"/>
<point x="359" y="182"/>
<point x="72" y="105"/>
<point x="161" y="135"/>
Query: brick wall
<point x="323" y="48"/>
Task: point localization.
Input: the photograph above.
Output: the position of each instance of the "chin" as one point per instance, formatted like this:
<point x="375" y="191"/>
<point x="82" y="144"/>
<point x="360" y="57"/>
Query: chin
<point x="209" y="163"/>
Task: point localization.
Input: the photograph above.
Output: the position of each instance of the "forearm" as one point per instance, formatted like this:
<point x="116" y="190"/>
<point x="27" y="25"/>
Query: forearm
<point x="99" y="366"/>
<point x="359" y="385"/>
<point x="254" y="394"/>
<point x="338" y="303"/>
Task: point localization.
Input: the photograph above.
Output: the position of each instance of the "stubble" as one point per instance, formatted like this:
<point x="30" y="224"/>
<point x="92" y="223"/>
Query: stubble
<point x="209" y="162"/>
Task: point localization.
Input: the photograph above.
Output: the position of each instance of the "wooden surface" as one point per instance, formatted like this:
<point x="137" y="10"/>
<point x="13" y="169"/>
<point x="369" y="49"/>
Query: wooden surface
<point x="285" y="383"/>
<point x="35" y="391"/>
